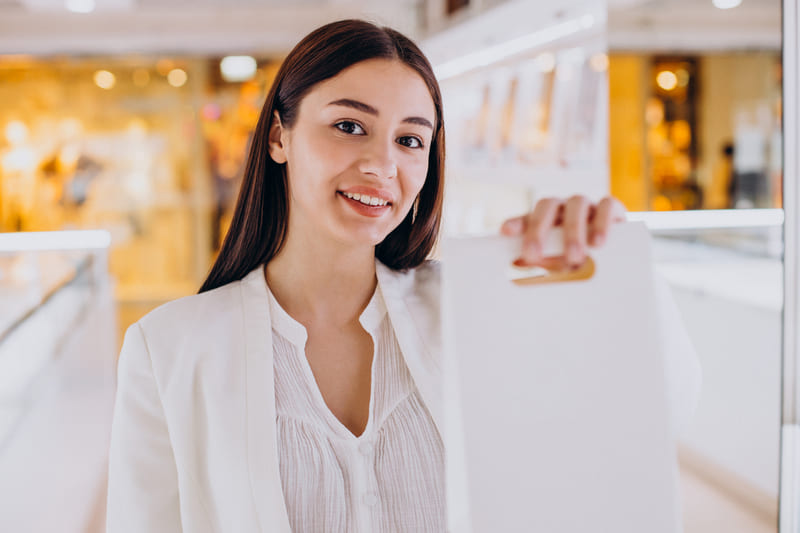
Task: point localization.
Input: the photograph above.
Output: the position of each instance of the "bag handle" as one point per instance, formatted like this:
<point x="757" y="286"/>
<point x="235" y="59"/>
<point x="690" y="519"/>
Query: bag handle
<point x="552" y="270"/>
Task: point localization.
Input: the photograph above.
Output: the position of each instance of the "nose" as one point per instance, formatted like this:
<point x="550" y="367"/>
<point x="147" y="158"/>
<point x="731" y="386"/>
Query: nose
<point x="378" y="158"/>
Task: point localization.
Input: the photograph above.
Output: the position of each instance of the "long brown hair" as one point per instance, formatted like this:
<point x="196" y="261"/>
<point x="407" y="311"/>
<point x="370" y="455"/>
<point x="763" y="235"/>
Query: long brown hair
<point x="258" y="226"/>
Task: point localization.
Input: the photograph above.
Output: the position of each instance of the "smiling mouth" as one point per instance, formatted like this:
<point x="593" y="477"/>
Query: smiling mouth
<point x="370" y="201"/>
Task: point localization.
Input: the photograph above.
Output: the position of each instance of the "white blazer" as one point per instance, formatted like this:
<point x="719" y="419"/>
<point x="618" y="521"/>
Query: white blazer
<point x="193" y="441"/>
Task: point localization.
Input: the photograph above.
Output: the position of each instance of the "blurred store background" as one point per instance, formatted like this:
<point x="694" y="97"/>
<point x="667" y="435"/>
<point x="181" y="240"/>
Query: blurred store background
<point x="123" y="130"/>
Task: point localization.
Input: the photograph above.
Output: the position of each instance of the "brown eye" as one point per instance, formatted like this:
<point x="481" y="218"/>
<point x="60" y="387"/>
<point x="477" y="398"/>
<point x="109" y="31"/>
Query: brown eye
<point x="411" y="142"/>
<point x="348" y="126"/>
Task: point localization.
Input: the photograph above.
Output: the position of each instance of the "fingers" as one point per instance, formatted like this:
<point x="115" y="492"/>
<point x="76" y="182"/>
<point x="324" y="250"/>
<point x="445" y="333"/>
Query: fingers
<point x="584" y="224"/>
<point x="513" y="226"/>
<point x="538" y="224"/>
<point x="576" y="220"/>
<point x="609" y="211"/>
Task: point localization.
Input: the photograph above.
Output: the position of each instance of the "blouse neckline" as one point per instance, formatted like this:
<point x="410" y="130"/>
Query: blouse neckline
<point x="293" y="331"/>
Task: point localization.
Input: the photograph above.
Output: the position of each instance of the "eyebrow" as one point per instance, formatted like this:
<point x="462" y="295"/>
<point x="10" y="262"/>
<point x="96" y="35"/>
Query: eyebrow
<point x="366" y="108"/>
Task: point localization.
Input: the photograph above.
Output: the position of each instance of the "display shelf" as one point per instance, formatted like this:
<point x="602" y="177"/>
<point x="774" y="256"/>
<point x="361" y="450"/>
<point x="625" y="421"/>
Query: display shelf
<point x="543" y="180"/>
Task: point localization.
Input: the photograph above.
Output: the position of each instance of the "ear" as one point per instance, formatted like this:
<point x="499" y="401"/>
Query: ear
<point x="276" y="149"/>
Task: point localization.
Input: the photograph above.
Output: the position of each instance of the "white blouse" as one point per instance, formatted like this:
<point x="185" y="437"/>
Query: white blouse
<point x="390" y="478"/>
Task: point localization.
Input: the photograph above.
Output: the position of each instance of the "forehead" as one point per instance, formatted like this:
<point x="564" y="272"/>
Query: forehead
<point x="390" y="86"/>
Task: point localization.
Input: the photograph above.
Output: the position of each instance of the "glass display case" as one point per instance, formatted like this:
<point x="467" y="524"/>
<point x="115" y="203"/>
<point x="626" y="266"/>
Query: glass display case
<point x="44" y="295"/>
<point x="725" y="269"/>
<point x="58" y="350"/>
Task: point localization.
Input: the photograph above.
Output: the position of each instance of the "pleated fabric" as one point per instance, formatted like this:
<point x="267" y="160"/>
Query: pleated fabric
<point x="390" y="478"/>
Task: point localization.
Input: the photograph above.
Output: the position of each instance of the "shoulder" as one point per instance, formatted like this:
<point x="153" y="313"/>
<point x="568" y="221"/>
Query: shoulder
<point x="187" y="324"/>
<point x="187" y="311"/>
<point x="428" y="281"/>
<point x="428" y="272"/>
<point x="419" y="288"/>
<point x="423" y="280"/>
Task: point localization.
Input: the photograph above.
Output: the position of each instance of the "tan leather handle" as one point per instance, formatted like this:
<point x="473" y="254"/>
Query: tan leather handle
<point x="558" y="271"/>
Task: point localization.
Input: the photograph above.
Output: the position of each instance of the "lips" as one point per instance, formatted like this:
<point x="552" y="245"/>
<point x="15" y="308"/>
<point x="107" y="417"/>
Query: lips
<point x="368" y="195"/>
<point x="367" y="202"/>
<point x="372" y="201"/>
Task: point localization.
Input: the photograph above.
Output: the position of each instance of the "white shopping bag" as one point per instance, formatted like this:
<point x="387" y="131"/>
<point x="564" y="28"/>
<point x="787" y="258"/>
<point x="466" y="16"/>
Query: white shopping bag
<point x="555" y="396"/>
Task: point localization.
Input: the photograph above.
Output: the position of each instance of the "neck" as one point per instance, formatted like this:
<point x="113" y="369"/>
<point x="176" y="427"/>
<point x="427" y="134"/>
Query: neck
<point x="322" y="282"/>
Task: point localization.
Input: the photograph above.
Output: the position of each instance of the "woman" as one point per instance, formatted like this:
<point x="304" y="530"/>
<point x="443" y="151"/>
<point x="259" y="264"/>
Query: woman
<point x="299" y="390"/>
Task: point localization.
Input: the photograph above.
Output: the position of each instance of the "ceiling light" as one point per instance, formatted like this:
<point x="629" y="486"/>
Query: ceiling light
<point x="104" y="79"/>
<point x="177" y="77"/>
<point x="80" y="6"/>
<point x="237" y="68"/>
<point x="726" y="4"/>
<point x="667" y="80"/>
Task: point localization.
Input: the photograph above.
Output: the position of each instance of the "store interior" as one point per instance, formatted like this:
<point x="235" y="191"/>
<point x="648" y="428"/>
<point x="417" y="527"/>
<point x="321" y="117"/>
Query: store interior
<point x="123" y="133"/>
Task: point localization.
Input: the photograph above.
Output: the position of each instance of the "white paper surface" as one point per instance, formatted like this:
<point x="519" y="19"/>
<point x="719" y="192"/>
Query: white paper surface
<point x="555" y="398"/>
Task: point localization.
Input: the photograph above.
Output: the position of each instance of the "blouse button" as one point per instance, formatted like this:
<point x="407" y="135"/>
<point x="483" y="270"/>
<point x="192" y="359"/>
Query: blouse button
<point x="365" y="447"/>
<point x="370" y="499"/>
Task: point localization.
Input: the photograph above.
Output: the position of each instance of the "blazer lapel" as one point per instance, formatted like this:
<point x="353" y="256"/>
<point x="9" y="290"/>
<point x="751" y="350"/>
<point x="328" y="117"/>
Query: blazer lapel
<point x="262" y="449"/>
<point x="417" y="325"/>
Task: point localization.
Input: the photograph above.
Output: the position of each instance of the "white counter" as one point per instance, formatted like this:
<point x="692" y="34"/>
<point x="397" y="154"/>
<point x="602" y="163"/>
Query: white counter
<point x="732" y="307"/>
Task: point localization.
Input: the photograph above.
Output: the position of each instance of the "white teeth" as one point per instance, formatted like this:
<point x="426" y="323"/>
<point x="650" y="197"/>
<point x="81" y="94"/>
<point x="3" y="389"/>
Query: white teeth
<point x="364" y="199"/>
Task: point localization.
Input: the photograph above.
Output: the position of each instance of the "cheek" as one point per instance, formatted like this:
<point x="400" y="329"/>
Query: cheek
<point x="328" y="156"/>
<point x="416" y="175"/>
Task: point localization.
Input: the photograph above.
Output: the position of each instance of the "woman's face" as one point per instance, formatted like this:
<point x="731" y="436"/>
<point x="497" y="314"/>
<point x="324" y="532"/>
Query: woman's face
<point x="357" y="155"/>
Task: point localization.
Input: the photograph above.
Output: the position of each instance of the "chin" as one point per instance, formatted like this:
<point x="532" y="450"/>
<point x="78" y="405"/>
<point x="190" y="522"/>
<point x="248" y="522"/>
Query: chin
<point x="362" y="238"/>
<point x="366" y="234"/>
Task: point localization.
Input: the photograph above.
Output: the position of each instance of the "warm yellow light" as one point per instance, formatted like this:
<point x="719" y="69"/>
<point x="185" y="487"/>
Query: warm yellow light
<point x="70" y="128"/>
<point x="137" y="128"/>
<point x="21" y="159"/>
<point x="177" y="77"/>
<point x="599" y="62"/>
<point x="68" y="156"/>
<point x="163" y="66"/>
<point x="683" y="77"/>
<point x="546" y="62"/>
<point x="141" y="77"/>
<point x="682" y="165"/>
<point x="662" y="203"/>
<point x="16" y="132"/>
<point x="16" y="58"/>
<point x="654" y="112"/>
<point x="104" y="79"/>
<point x="681" y="134"/>
<point x="667" y="80"/>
